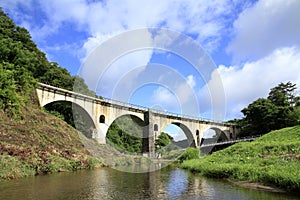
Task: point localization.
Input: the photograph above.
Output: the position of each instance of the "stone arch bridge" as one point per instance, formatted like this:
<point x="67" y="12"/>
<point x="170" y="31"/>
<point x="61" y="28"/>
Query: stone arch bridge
<point x="103" y="112"/>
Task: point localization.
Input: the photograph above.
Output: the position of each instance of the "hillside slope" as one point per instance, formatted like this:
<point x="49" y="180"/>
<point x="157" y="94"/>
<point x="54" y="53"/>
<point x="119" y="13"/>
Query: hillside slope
<point x="274" y="160"/>
<point x="40" y="143"/>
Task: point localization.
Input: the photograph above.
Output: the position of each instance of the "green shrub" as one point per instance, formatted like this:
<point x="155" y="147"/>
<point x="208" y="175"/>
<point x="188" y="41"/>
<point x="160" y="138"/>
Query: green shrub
<point x="189" y="154"/>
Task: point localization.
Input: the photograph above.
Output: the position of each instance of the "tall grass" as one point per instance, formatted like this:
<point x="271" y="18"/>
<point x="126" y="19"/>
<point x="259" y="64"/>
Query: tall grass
<point x="272" y="160"/>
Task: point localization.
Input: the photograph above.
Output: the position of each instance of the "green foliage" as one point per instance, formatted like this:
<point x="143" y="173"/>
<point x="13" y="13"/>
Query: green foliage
<point x="73" y="115"/>
<point x="57" y="76"/>
<point x="79" y="86"/>
<point x="260" y="115"/>
<point x="283" y="94"/>
<point x="15" y="87"/>
<point x="279" y="110"/>
<point x="162" y="141"/>
<point x="272" y="159"/>
<point x="189" y="154"/>
<point x="11" y="167"/>
<point x="22" y="65"/>
<point x="126" y="133"/>
<point x="36" y="142"/>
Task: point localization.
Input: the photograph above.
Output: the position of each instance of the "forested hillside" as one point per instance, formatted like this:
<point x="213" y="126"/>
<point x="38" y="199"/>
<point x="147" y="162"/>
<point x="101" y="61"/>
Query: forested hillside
<point x="32" y="141"/>
<point x="22" y="65"/>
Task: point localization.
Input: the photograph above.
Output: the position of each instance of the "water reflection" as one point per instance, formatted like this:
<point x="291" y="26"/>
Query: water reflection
<point x="177" y="184"/>
<point x="168" y="183"/>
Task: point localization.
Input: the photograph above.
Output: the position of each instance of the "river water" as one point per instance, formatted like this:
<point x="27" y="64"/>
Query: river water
<point x="106" y="183"/>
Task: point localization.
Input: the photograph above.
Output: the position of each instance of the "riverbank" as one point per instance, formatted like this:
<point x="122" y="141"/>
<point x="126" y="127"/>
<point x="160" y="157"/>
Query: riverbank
<point x="40" y="143"/>
<point x="273" y="160"/>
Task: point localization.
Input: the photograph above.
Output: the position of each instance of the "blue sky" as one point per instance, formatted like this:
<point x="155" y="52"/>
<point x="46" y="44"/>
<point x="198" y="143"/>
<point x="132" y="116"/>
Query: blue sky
<point x="254" y="45"/>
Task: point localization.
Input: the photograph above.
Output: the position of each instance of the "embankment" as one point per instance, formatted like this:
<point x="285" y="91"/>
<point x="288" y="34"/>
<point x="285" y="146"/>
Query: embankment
<point x="40" y="143"/>
<point x="272" y="160"/>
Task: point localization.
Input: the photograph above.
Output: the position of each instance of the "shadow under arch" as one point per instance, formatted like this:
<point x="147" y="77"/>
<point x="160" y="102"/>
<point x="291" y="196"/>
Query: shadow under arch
<point x="211" y="136"/>
<point x="214" y="135"/>
<point x="125" y="133"/>
<point x="189" y="135"/>
<point x="221" y="135"/>
<point x="74" y="114"/>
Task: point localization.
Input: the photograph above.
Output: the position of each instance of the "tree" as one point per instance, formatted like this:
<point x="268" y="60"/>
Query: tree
<point x="10" y="100"/>
<point x="22" y="65"/>
<point x="283" y="94"/>
<point x="281" y="109"/>
<point x="261" y="115"/>
<point x="126" y="134"/>
<point x="163" y="140"/>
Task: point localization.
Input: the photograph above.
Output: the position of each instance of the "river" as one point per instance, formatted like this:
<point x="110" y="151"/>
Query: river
<point x="106" y="183"/>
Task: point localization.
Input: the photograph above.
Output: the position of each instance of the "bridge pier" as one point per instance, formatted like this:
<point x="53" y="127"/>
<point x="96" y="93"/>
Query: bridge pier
<point x="148" y="143"/>
<point x="101" y="131"/>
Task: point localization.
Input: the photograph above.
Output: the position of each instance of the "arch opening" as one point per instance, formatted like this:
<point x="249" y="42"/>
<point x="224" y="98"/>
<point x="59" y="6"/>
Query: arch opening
<point x="214" y="135"/>
<point x="73" y="114"/>
<point x="172" y="140"/>
<point x="211" y="136"/>
<point x="155" y="127"/>
<point x="125" y="134"/>
<point x="102" y="119"/>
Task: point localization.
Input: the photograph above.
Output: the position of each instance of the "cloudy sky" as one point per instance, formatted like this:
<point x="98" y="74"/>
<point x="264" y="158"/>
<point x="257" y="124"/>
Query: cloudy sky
<point x="250" y="46"/>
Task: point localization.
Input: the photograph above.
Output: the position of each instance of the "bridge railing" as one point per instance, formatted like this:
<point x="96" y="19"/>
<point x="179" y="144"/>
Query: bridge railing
<point x="124" y="104"/>
<point x="231" y="141"/>
<point x="102" y="99"/>
<point x="188" y="117"/>
<point x="133" y="106"/>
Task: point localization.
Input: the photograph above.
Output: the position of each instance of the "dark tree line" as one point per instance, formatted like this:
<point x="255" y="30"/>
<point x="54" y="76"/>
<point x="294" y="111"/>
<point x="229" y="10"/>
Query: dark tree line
<point x="280" y="109"/>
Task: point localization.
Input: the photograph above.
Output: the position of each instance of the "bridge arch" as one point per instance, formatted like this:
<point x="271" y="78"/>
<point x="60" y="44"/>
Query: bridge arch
<point x="74" y="112"/>
<point x="220" y="135"/>
<point x="103" y="112"/>
<point x="109" y="120"/>
<point x="188" y="133"/>
<point x="131" y="127"/>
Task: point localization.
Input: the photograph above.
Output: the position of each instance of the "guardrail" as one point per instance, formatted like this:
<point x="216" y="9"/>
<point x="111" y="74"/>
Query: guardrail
<point x="231" y="141"/>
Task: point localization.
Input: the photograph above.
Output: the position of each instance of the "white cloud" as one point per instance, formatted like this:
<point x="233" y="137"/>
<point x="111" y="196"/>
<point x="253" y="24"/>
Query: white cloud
<point x="162" y="96"/>
<point x="191" y="81"/>
<point x="266" y="34"/>
<point x="204" y="19"/>
<point x="114" y="60"/>
<point x="128" y="66"/>
<point x="253" y="80"/>
<point x="177" y="94"/>
<point x="264" y="27"/>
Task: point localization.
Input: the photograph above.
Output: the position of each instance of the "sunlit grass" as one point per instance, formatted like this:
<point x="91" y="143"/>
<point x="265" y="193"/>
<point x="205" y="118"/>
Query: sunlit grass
<point x="273" y="160"/>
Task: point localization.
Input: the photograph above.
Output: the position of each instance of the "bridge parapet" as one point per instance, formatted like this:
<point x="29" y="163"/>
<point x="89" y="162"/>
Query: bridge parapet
<point x="102" y="100"/>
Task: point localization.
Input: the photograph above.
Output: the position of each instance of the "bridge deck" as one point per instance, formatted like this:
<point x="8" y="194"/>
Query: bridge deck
<point x="139" y="108"/>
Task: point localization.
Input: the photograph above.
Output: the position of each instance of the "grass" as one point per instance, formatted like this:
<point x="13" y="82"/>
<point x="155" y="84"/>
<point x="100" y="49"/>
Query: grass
<point x="273" y="159"/>
<point x="40" y="143"/>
